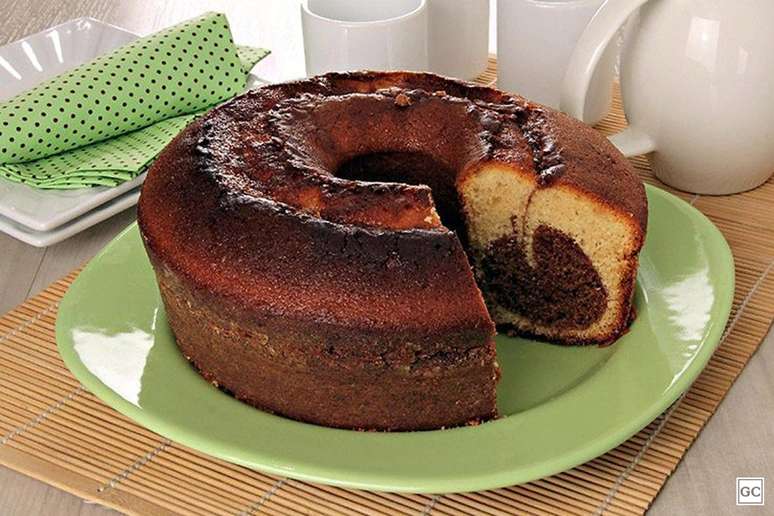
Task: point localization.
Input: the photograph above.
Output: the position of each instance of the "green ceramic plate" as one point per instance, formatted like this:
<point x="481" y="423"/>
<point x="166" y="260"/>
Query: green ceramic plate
<point x="562" y="405"/>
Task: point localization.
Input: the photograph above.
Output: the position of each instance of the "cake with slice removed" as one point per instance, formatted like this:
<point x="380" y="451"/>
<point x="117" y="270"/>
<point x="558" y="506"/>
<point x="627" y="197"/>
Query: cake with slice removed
<point x="338" y="249"/>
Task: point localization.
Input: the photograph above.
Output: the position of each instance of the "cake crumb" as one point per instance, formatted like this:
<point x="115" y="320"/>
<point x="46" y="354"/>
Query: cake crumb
<point x="402" y="100"/>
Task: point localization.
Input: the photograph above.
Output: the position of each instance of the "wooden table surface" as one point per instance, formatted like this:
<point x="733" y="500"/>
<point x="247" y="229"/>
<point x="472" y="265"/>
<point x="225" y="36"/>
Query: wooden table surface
<point x="738" y="441"/>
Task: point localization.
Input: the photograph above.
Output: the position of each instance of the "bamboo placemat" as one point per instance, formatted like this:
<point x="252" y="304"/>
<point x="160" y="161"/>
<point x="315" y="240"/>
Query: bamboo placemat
<point x="54" y="430"/>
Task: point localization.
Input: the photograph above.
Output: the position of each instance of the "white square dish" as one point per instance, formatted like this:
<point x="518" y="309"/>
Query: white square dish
<point x="85" y="221"/>
<point x="26" y="63"/>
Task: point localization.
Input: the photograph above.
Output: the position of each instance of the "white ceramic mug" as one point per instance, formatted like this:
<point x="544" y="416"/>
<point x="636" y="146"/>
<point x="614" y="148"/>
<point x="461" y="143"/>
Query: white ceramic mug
<point x="458" y="37"/>
<point x="344" y="35"/>
<point x="697" y="79"/>
<point x="535" y="39"/>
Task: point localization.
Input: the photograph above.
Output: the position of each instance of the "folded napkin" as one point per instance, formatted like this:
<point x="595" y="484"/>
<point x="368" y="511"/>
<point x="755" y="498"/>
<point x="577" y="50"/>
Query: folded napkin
<point x="103" y="122"/>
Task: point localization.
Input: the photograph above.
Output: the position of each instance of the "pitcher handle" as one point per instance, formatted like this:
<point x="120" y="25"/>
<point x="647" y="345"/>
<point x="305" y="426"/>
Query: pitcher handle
<point x="585" y="57"/>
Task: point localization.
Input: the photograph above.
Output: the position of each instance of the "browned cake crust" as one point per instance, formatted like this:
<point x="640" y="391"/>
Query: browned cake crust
<point x="306" y="291"/>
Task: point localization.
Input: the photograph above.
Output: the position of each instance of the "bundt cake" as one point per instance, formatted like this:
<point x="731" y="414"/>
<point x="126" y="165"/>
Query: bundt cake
<point x="336" y="249"/>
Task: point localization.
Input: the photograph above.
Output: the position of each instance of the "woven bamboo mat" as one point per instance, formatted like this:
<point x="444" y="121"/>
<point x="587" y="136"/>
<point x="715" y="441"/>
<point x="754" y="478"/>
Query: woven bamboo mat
<point x="54" y="430"/>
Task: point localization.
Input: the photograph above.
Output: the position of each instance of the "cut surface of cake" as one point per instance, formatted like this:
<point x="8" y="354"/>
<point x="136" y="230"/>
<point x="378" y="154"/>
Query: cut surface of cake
<point x="338" y="249"/>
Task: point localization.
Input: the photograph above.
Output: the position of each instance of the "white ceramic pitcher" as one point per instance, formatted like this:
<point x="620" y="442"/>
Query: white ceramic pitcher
<point x="697" y="80"/>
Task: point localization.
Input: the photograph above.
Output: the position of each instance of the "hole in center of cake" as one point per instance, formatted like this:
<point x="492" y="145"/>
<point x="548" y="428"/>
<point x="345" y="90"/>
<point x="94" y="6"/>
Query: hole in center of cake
<point x="414" y="168"/>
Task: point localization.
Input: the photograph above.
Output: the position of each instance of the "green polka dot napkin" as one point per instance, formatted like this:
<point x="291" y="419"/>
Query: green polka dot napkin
<point x="103" y="122"/>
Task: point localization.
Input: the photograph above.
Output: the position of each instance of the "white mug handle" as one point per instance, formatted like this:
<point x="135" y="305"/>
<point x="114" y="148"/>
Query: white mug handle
<point x="585" y="57"/>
